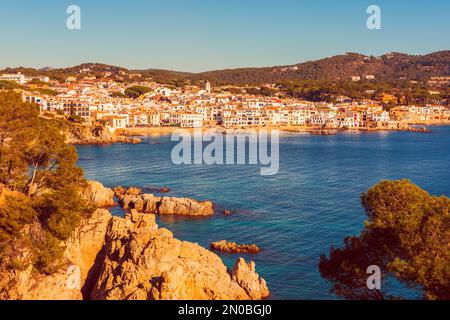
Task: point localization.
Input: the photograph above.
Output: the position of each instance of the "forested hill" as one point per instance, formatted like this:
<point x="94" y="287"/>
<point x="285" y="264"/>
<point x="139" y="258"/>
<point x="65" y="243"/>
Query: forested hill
<point x="389" y="67"/>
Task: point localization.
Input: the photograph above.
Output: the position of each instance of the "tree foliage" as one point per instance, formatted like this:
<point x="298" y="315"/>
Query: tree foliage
<point x="40" y="179"/>
<point x="137" y="91"/>
<point x="407" y="236"/>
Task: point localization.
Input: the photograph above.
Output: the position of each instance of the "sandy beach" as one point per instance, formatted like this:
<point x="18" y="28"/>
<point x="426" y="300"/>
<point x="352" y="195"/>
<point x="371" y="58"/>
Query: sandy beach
<point x="161" y="131"/>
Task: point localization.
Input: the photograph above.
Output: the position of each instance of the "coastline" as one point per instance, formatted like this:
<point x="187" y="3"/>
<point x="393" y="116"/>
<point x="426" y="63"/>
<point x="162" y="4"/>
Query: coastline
<point x="250" y="209"/>
<point x="161" y="131"/>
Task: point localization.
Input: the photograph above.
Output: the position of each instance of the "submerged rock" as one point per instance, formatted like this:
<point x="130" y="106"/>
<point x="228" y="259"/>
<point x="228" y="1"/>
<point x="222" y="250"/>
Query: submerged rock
<point x="165" y="190"/>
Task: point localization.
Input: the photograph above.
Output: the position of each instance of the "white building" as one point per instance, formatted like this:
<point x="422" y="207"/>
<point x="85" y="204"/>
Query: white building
<point x="16" y="77"/>
<point x="186" y="119"/>
<point x="154" y="119"/>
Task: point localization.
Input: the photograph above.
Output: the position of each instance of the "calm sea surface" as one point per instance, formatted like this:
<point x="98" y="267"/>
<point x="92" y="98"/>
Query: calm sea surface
<point x="295" y="216"/>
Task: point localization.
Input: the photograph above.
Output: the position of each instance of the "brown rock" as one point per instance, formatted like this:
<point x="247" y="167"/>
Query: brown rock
<point x="119" y="191"/>
<point x="148" y="203"/>
<point x="98" y="195"/>
<point x="244" y="274"/>
<point x="185" y="206"/>
<point x="233" y="247"/>
<point x="82" y="249"/>
<point x="165" y="190"/>
<point x="151" y="203"/>
<point x="87" y="241"/>
<point x="134" y="191"/>
<point x="144" y="263"/>
<point x="130" y="258"/>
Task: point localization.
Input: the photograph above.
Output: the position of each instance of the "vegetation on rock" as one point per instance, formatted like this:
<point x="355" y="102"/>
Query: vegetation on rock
<point x="40" y="182"/>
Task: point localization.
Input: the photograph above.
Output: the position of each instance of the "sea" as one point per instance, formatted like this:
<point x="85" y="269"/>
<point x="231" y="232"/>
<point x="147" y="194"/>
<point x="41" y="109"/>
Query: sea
<point x="295" y="216"/>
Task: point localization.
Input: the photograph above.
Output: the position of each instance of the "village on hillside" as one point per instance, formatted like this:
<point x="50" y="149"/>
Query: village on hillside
<point x="108" y="102"/>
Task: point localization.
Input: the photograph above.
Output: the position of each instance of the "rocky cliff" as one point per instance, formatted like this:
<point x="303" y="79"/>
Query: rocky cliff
<point x="25" y="283"/>
<point x="146" y="263"/>
<point x="114" y="258"/>
<point x="97" y="195"/>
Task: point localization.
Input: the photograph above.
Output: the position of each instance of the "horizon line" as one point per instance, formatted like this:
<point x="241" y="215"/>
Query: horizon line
<point x="224" y="69"/>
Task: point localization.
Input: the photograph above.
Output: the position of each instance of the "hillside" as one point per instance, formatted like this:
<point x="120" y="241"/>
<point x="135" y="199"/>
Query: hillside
<point x="388" y="67"/>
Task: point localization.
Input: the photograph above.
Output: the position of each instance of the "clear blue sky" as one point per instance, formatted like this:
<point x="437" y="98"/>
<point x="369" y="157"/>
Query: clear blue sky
<point x="197" y="35"/>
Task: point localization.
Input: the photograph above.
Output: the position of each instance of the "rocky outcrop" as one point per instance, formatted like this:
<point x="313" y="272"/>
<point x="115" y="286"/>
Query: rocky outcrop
<point x="118" y="258"/>
<point x="97" y="195"/>
<point x="233" y="247"/>
<point x="148" y="203"/>
<point x="143" y="262"/>
<point x="245" y="275"/>
<point x="85" y="246"/>
<point x="27" y="285"/>
<point x="80" y="134"/>
<point x="24" y="283"/>
<point x="185" y="206"/>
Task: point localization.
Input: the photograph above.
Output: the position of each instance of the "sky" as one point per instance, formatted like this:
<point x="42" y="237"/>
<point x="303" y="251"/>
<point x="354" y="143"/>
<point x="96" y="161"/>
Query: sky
<point x="200" y="35"/>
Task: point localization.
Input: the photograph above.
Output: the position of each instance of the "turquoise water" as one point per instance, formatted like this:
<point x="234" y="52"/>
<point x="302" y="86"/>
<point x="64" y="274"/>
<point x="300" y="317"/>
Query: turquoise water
<point x="294" y="216"/>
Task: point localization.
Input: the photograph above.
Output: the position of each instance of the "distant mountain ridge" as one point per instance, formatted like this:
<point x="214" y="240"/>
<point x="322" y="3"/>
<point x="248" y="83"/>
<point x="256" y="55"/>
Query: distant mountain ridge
<point x="388" y="67"/>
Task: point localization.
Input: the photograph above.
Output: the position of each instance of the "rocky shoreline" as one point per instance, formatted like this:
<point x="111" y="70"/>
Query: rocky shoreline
<point x="148" y="203"/>
<point x="130" y="258"/>
<point x="78" y="134"/>
<point x="401" y="126"/>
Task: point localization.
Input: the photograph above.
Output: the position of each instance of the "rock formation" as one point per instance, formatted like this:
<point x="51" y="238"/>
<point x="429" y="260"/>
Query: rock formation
<point x="98" y="195"/>
<point x="245" y="275"/>
<point x="129" y="258"/>
<point x="165" y="190"/>
<point x="233" y="247"/>
<point x="146" y="263"/>
<point x="87" y="242"/>
<point x="80" y="134"/>
<point x="148" y="203"/>
<point x="24" y="283"/>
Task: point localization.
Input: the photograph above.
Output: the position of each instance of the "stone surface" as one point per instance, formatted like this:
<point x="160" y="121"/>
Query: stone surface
<point x="66" y="284"/>
<point x="148" y="203"/>
<point x="233" y="247"/>
<point x="82" y="134"/>
<point x="98" y="195"/>
<point x="83" y="248"/>
<point x="126" y="258"/>
<point x="185" y="206"/>
<point x="244" y="274"/>
<point x="146" y="263"/>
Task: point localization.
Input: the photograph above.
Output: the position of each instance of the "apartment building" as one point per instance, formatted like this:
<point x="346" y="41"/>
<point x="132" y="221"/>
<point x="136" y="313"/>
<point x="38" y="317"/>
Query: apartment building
<point x="15" y="77"/>
<point x="186" y="119"/>
<point x="77" y="108"/>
